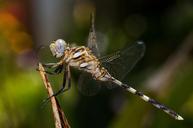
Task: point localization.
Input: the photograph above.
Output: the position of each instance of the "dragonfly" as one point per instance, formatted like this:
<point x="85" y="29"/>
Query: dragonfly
<point x="87" y="59"/>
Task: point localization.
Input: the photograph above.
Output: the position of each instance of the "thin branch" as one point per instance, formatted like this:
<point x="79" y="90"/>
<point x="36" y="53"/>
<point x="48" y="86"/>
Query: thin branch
<point x="59" y="117"/>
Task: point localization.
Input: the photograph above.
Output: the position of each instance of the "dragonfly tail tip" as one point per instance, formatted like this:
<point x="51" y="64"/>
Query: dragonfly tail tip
<point x="179" y="118"/>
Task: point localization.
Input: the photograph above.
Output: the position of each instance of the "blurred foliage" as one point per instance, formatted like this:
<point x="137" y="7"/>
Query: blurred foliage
<point x="162" y="25"/>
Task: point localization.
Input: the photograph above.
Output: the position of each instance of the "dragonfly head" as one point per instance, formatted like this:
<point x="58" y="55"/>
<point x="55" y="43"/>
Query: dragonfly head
<point x="58" y="47"/>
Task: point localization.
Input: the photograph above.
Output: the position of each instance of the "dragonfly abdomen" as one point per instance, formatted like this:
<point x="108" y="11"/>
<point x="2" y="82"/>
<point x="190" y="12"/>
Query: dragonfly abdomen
<point x="148" y="99"/>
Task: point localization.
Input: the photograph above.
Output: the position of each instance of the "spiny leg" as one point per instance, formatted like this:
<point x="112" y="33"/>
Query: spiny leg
<point x="66" y="82"/>
<point x="52" y="65"/>
<point x="148" y="99"/>
<point x="49" y="65"/>
<point x="58" y="69"/>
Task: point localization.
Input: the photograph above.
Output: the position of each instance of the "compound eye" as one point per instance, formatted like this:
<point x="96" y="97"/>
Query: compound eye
<point x="60" y="42"/>
<point x="57" y="48"/>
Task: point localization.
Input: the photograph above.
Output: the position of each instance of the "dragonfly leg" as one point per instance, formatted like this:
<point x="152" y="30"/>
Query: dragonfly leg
<point x="49" y="65"/>
<point x="66" y="82"/>
<point x="58" y="70"/>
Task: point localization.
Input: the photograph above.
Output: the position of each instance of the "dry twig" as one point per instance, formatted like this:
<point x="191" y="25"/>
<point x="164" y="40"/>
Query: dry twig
<point x="59" y="117"/>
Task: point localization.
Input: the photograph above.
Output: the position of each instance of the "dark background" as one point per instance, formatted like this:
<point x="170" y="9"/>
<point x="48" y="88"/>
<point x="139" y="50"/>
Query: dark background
<point x="165" y="72"/>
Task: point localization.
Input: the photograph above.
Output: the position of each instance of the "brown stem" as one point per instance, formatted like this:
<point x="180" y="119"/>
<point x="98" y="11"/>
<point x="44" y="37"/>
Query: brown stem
<point x="59" y="117"/>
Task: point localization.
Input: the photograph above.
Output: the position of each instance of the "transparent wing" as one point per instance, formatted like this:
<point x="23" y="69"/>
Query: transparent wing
<point x="96" y="41"/>
<point x="121" y="62"/>
<point x="92" y="39"/>
<point x="87" y="85"/>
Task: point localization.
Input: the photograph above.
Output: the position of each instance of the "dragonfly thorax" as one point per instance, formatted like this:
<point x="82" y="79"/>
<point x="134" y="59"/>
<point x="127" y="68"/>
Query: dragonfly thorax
<point x="58" y="47"/>
<point x="82" y="58"/>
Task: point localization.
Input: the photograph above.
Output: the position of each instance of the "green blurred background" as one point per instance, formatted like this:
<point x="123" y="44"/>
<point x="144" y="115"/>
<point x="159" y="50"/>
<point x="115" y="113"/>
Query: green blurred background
<point x="165" y="72"/>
